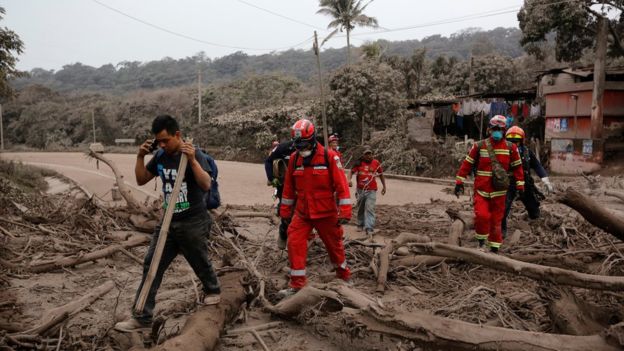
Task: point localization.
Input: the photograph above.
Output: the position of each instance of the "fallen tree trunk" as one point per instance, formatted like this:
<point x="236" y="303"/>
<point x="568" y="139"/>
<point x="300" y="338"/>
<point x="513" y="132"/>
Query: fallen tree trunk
<point x="570" y="315"/>
<point x="420" y="260"/>
<point x="52" y="318"/>
<point x="438" y="332"/>
<point x="203" y="328"/>
<point x="593" y="212"/>
<point x="455" y="232"/>
<point x="384" y="255"/>
<point x="448" y="334"/>
<point x="618" y="194"/>
<point x="530" y="270"/>
<point x="125" y="191"/>
<point x="306" y="298"/>
<point x="91" y="256"/>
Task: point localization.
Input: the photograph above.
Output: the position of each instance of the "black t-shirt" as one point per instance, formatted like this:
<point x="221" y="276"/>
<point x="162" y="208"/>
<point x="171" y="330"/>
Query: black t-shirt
<point x="191" y="198"/>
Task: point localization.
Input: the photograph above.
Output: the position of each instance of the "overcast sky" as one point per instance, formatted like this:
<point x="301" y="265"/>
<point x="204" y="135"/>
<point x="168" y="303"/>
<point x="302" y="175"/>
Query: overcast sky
<point x="58" y="32"/>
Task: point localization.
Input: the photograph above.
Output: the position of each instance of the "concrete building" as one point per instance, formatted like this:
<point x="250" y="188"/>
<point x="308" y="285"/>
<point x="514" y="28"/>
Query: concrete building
<point x="567" y="95"/>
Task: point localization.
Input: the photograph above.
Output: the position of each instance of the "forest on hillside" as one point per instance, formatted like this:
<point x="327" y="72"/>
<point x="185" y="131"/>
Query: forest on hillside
<point x="168" y="72"/>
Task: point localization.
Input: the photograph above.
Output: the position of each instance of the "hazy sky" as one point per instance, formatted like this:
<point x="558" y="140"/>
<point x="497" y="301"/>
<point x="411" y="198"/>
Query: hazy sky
<point x="58" y="32"/>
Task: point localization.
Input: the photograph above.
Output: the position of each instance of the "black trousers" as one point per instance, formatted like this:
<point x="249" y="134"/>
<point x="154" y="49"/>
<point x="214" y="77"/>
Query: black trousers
<point x="188" y="236"/>
<point x="530" y="201"/>
<point x="283" y="227"/>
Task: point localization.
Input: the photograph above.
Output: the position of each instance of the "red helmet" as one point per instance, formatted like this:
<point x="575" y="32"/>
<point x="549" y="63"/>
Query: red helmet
<point x="303" y="129"/>
<point x="499" y="121"/>
<point x="515" y="133"/>
<point x="333" y="137"/>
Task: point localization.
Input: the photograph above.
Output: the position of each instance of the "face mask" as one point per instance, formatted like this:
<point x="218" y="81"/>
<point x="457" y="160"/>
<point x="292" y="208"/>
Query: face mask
<point x="305" y="153"/>
<point x="497" y="135"/>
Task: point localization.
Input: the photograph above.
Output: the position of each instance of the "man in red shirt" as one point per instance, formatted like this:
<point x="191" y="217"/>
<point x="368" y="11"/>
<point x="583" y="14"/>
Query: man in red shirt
<point x="315" y="189"/>
<point x="333" y="145"/>
<point x="366" y="169"/>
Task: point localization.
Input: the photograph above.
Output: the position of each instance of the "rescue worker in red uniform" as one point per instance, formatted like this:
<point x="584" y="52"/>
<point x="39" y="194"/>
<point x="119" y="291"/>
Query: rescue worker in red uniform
<point x="489" y="203"/>
<point x="333" y="145"/>
<point x="316" y="195"/>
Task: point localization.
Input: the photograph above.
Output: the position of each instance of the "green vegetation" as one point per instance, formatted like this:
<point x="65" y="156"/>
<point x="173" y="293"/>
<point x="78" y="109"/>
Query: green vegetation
<point x="574" y="24"/>
<point x="346" y="14"/>
<point x="27" y="178"/>
<point x="10" y="47"/>
<point x="167" y="73"/>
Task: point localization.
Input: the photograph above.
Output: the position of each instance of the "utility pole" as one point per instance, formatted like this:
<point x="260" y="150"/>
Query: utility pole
<point x="199" y="94"/>
<point x="1" y="131"/>
<point x="471" y="76"/>
<point x="599" y="80"/>
<point x="317" y="52"/>
<point x="93" y="123"/>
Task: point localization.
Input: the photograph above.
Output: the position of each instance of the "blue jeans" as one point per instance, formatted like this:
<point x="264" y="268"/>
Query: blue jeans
<point x="188" y="236"/>
<point x="366" y="208"/>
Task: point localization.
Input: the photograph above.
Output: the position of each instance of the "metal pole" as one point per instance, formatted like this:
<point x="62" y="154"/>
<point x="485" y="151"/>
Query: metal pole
<point x="317" y="52"/>
<point x="1" y="131"/>
<point x="199" y="96"/>
<point x="93" y="123"/>
<point x="575" y="97"/>
<point x="599" y="79"/>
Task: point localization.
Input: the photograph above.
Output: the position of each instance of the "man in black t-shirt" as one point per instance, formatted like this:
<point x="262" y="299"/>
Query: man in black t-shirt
<point x="190" y="224"/>
<point x="282" y="153"/>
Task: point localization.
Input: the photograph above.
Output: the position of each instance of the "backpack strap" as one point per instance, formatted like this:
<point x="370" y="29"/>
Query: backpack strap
<point x="490" y="150"/>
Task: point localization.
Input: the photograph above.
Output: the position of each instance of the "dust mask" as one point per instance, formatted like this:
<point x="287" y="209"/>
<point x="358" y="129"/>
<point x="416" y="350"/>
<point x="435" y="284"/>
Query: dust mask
<point x="305" y="153"/>
<point x="497" y="135"/>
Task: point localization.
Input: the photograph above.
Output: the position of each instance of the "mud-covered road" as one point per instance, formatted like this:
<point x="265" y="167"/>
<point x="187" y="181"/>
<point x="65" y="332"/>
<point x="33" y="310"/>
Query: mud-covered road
<point x="240" y="183"/>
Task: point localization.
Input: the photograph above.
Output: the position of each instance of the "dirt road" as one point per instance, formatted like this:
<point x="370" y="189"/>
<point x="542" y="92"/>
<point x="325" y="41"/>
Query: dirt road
<point x="240" y="183"/>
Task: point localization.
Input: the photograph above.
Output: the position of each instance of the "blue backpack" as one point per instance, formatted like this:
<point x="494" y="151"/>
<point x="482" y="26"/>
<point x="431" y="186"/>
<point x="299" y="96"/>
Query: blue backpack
<point x="212" y="198"/>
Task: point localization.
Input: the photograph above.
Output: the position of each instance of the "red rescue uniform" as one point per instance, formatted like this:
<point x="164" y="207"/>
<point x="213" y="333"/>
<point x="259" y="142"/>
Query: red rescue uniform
<point x="489" y="204"/>
<point x="320" y="195"/>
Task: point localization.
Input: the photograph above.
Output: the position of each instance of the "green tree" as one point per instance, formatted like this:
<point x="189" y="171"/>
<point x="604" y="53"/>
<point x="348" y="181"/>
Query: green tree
<point x="347" y="14"/>
<point x="10" y="46"/>
<point x="361" y="95"/>
<point x="371" y="51"/>
<point x="574" y="24"/>
<point x="412" y="69"/>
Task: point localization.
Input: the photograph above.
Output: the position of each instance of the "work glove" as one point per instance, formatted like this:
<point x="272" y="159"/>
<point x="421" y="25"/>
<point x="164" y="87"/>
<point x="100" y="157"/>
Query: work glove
<point x="344" y="214"/>
<point x="276" y="183"/>
<point x="459" y="190"/>
<point x="285" y="211"/>
<point x="549" y="187"/>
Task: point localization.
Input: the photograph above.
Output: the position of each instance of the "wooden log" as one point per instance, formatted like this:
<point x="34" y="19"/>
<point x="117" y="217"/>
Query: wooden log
<point x="420" y="260"/>
<point x="91" y="256"/>
<point x="260" y="327"/>
<point x="618" y="194"/>
<point x="384" y="255"/>
<point x="203" y="328"/>
<point x="162" y="236"/>
<point x="593" y="212"/>
<point x="434" y="332"/>
<point x="124" y="189"/>
<point x="307" y="297"/>
<point x="530" y="270"/>
<point x="55" y="316"/>
<point x="571" y="316"/>
<point x="455" y="232"/>
<point x="464" y="216"/>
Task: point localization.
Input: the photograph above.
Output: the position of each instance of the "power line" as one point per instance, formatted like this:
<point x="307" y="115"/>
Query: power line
<point x="281" y="16"/>
<point x="188" y="37"/>
<point x="490" y="13"/>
